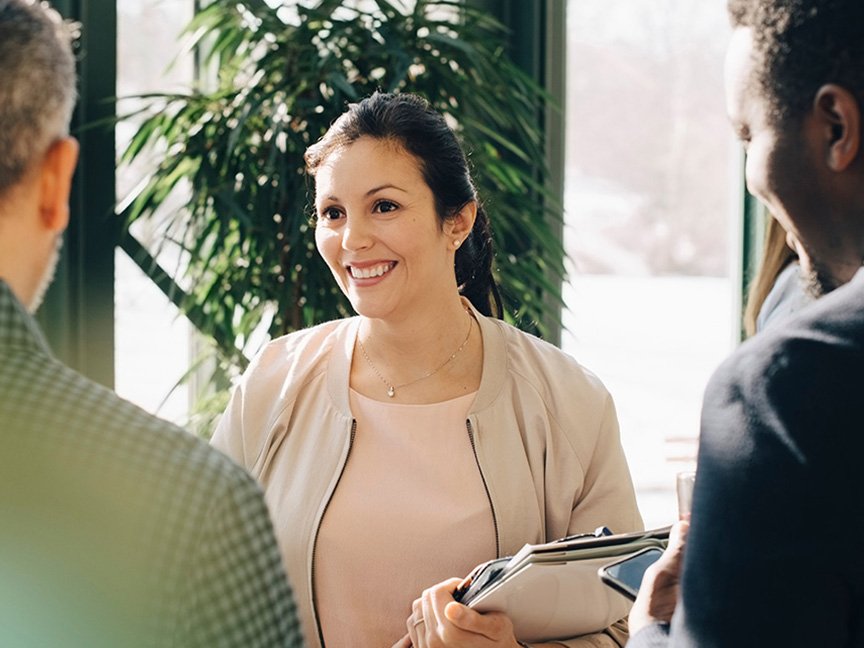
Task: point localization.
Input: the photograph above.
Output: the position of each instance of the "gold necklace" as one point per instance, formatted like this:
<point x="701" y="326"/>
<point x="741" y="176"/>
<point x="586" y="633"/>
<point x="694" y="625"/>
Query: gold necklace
<point x="391" y="388"/>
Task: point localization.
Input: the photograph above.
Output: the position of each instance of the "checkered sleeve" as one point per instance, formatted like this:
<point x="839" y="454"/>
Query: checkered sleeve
<point x="238" y="594"/>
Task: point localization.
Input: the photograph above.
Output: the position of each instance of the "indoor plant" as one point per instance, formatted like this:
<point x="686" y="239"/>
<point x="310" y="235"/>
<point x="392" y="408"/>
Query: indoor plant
<point x="282" y="72"/>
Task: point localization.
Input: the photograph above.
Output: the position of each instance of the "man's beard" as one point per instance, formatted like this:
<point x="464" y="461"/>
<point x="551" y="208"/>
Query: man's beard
<point x="47" y="276"/>
<point x="817" y="280"/>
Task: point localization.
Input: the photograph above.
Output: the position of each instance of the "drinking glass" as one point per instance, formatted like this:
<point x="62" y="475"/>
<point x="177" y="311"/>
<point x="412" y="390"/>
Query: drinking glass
<point x="684" y="487"/>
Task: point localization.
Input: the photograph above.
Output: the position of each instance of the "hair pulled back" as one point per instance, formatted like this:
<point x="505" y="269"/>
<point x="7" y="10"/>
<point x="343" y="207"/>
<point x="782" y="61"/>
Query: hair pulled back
<point x="422" y="131"/>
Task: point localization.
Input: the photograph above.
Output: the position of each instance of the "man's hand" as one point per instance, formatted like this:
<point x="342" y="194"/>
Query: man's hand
<point x="658" y="594"/>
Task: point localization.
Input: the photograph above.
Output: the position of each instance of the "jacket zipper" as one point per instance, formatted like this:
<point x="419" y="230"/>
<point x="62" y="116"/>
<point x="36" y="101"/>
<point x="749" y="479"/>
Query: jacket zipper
<point x="485" y="486"/>
<point x="318" y="528"/>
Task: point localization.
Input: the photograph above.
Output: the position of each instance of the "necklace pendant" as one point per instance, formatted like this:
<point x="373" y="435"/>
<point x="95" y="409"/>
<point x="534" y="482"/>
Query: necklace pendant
<point x="390" y="391"/>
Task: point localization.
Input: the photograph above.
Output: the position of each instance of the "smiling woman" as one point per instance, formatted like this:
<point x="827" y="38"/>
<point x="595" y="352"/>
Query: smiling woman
<point x="424" y="436"/>
<point x="379" y="234"/>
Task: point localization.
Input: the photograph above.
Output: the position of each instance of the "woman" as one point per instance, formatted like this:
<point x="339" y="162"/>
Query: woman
<point x="777" y="290"/>
<point x="410" y="443"/>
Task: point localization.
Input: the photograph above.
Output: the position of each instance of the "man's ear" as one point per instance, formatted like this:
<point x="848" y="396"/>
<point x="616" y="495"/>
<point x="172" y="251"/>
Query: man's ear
<point x="460" y="225"/>
<point x="57" y="169"/>
<point x="839" y="114"/>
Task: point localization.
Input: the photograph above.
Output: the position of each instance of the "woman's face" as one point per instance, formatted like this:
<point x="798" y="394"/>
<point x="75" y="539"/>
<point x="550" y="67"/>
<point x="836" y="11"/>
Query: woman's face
<point x="378" y="231"/>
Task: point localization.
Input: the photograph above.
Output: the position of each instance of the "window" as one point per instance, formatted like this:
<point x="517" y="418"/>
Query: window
<point x="652" y="186"/>
<point x="154" y="343"/>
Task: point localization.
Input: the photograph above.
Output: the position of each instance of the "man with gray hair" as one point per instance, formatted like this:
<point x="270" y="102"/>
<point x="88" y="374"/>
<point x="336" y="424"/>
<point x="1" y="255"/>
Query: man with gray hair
<point x="116" y="528"/>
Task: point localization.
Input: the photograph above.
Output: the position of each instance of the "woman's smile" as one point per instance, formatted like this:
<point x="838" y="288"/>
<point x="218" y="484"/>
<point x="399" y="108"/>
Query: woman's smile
<point x="366" y="272"/>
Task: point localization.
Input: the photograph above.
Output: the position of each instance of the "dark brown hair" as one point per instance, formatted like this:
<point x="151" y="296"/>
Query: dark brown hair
<point x="422" y="131"/>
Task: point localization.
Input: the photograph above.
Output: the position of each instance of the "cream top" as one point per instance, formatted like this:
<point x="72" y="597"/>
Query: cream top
<point x="544" y="428"/>
<point x="410" y="510"/>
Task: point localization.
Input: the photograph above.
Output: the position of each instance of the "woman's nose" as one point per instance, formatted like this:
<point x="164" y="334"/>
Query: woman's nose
<point x="356" y="235"/>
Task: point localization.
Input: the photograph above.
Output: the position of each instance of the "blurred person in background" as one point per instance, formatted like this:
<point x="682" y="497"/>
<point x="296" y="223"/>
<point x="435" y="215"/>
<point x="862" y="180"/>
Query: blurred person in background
<point x="777" y="290"/>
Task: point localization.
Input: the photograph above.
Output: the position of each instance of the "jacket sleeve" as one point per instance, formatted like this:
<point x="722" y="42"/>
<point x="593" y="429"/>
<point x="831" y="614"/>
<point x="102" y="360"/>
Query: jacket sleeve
<point x="265" y="395"/>
<point x="237" y="593"/>
<point x="777" y="503"/>
<point x="248" y="426"/>
<point x="606" y="495"/>
<point x="607" y="498"/>
<point x="229" y="434"/>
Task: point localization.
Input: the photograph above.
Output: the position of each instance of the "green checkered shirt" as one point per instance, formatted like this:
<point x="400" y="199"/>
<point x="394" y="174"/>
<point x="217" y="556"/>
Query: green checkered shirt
<point x="118" y="529"/>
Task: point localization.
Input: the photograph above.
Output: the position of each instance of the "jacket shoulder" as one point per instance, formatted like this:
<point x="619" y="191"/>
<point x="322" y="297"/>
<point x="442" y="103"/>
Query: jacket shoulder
<point x="546" y="367"/>
<point x="297" y="357"/>
<point x="571" y="398"/>
<point x="270" y="388"/>
<point x="60" y="412"/>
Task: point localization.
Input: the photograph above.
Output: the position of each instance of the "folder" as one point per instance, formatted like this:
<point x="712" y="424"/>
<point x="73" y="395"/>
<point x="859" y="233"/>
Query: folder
<point x="552" y="590"/>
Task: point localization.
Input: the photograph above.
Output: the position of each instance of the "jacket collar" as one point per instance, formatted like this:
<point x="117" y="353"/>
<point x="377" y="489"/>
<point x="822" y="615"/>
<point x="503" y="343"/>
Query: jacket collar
<point x="18" y="329"/>
<point x="491" y="382"/>
<point x="339" y="365"/>
<point x="494" y="359"/>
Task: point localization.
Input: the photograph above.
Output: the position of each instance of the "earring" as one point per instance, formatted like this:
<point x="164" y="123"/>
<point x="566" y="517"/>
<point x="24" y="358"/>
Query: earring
<point x="456" y="243"/>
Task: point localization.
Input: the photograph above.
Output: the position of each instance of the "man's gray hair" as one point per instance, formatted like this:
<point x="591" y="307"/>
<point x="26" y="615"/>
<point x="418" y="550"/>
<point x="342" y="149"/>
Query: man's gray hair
<point x="37" y="84"/>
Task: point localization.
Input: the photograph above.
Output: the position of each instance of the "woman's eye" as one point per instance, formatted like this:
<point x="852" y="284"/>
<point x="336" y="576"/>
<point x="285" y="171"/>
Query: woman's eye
<point x="330" y="214"/>
<point x="384" y="206"/>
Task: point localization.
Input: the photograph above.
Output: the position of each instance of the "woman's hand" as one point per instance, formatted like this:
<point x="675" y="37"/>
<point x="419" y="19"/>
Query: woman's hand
<point x="437" y="621"/>
<point x="658" y="595"/>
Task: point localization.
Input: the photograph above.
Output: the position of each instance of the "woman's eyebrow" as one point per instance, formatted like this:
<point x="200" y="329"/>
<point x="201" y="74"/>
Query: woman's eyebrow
<point x="385" y="186"/>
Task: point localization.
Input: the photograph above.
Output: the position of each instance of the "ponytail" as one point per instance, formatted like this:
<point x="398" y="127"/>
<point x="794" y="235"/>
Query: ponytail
<point x="474" y="268"/>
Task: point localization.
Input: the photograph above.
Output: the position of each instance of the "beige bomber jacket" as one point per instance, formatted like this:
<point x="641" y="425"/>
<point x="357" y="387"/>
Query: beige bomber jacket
<point x="544" y="431"/>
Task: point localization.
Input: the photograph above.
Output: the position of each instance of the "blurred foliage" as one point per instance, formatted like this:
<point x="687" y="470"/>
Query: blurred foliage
<point x="283" y="72"/>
